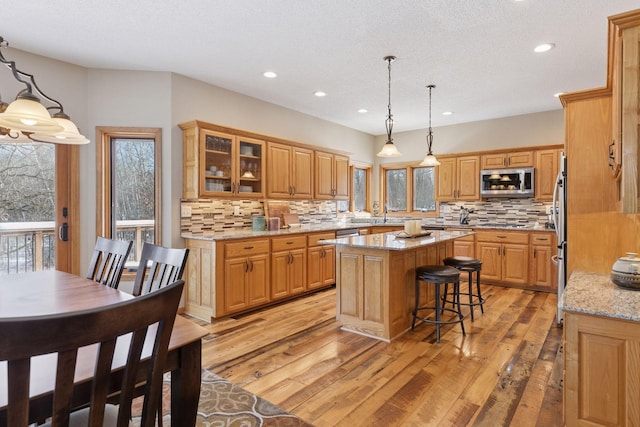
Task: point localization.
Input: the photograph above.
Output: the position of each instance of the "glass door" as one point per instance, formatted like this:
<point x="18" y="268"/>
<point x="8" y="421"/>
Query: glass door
<point x="218" y="163"/>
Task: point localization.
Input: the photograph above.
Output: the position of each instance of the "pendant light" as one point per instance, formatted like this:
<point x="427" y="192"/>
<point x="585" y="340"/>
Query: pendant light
<point x="389" y="149"/>
<point x="430" y="159"/>
<point x="27" y="119"/>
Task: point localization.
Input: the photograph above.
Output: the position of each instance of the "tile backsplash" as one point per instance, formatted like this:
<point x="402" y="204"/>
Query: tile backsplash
<point x="223" y="215"/>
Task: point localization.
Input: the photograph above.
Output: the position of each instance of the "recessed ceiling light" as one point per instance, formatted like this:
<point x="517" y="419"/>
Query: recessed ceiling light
<point x="319" y="93"/>
<point x="363" y="110"/>
<point x="557" y="95"/>
<point x="544" y="47"/>
<point x="270" y="74"/>
<point x="447" y="113"/>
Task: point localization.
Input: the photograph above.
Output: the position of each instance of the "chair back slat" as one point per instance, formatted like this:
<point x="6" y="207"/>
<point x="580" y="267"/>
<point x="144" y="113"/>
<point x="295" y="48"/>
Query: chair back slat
<point x="125" y="323"/>
<point x="158" y="267"/>
<point x="108" y="260"/>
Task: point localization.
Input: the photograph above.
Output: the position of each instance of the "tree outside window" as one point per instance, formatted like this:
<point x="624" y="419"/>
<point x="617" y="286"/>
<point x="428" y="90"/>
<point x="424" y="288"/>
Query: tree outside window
<point x="409" y="189"/>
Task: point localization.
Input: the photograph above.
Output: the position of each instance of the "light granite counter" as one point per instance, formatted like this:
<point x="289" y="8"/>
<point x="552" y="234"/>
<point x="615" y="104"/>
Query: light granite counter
<point x="595" y="293"/>
<point x="395" y="242"/>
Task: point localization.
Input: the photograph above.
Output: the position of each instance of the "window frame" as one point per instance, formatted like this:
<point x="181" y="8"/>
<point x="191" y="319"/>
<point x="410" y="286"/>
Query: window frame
<point x="409" y="168"/>
<point x="104" y="204"/>
<point x="368" y="168"/>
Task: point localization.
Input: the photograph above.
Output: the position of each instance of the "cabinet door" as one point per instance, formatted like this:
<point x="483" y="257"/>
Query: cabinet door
<point x="217" y="163"/>
<point x="341" y="176"/>
<point x="445" y="185"/>
<point x="520" y="159"/>
<point x="297" y="271"/>
<point x="540" y="271"/>
<point x="302" y="173"/>
<point x="324" y="175"/>
<point x="468" y="178"/>
<point x="235" y="291"/>
<point x="314" y="267"/>
<point x="494" y="161"/>
<point x="258" y="280"/>
<point x="329" y="265"/>
<point x="515" y="263"/>
<point x="546" y="172"/>
<point x="249" y="179"/>
<point x="464" y="248"/>
<point x="279" y="274"/>
<point x="489" y="254"/>
<point x="279" y="171"/>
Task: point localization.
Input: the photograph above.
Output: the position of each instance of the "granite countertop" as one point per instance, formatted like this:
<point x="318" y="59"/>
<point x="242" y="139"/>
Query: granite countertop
<point x="393" y="241"/>
<point x="595" y="293"/>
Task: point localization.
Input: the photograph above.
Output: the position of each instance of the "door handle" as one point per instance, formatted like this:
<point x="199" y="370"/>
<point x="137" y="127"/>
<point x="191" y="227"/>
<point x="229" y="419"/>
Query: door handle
<point x="63" y="232"/>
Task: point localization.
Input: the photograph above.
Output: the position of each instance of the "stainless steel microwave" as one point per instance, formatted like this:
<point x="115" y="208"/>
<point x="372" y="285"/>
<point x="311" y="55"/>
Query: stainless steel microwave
<point x="507" y="183"/>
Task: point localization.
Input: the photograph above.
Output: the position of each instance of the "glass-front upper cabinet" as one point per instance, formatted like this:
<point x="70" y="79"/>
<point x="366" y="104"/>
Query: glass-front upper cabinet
<point x="231" y="165"/>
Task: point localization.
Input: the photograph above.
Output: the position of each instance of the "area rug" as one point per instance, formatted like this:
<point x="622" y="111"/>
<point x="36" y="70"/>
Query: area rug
<point x="225" y="404"/>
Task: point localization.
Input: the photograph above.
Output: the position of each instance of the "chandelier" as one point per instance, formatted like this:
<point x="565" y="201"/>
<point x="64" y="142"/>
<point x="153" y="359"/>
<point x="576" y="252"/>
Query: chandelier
<point x="26" y="119"/>
<point x="389" y="149"/>
<point x="430" y="159"/>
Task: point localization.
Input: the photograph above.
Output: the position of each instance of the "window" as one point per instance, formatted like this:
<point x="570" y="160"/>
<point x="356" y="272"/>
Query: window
<point x="409" y="189"/>
<point x="360" y="188"/>
<point x="129" y="186"/>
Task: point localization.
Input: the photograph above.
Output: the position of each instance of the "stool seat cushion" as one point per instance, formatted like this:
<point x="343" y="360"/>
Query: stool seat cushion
<point x="462" y="261"/>
<point x="443" y="271"/>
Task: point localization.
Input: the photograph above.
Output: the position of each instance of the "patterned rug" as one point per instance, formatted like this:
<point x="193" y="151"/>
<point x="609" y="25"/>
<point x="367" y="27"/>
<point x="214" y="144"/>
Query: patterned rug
<point x="225" y="404"/>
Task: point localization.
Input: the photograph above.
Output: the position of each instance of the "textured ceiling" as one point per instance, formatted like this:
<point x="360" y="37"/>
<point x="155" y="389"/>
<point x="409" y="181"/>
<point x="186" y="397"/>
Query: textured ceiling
<point x="479" y="53"/>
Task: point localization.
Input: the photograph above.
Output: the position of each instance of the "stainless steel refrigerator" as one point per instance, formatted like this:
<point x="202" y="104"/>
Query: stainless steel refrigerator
<point x="559" y="217"/>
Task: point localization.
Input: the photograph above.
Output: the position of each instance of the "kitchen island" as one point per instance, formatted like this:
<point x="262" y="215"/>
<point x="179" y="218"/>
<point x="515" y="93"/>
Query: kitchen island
<point x="375" y="279"/>
<point x="601" y="352"/>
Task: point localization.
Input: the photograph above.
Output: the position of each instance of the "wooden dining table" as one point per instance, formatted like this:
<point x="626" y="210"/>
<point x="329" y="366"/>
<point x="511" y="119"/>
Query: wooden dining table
<point x="56" y="292"/>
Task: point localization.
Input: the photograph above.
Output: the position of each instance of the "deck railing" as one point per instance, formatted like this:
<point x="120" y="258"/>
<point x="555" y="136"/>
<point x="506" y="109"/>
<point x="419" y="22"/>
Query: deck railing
<point x="31" y="246"/>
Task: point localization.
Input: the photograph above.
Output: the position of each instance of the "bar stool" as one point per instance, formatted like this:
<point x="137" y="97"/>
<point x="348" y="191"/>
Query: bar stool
<point x="469" y="265"/>
<point x="438" y="274"/>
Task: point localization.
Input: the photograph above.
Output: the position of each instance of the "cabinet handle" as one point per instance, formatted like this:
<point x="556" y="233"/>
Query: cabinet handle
<point x="246" y="266"/>
<point x="498" y="251"/>
<point x="294" y="190"/>
<point x="248" y="247"/>
<point x="289" y="243"/>
<point x="290" y="259"/>
<point x="323" y="253"/>
<point x="251" y="265"/>
<point x="534" y="252"/>
<point x="505" y="161"/>
<point x="501" y="237"/>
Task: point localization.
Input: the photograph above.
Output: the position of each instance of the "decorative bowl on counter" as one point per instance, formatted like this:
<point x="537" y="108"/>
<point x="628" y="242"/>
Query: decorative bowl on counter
<point x="626" y="271"/>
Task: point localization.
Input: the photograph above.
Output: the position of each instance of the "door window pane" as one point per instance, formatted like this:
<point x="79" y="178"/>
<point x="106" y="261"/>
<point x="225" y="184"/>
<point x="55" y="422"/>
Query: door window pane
<point x="424" y="189"/>
<point x="27" y="207"/>
<point x="359" y="189"/>
<point x="133" y="189"/>
<point x="396" y="189"/>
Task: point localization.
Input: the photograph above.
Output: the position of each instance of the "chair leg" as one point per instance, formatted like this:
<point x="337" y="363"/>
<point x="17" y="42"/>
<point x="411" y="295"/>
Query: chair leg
<point x="444" y="297"/>
<point x="471" y="294"/>
<point x="457" y="287"/>
<point x="437" y="301"/>
<point x="479" y="294"/>
<point x="415" y="306"/>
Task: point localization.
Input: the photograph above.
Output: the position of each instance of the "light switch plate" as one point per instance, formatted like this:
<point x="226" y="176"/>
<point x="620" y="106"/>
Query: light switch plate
<point x="185" y="211"/>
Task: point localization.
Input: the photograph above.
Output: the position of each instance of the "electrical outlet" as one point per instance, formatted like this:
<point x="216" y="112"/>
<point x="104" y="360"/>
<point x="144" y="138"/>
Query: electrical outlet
<point x="549" y="209"/>
<point x="185" y="211"/>
<point x="236" y="210"/>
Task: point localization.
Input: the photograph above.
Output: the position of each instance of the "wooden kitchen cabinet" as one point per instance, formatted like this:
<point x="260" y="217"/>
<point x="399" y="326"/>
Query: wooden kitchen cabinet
<point x="542" y="272"/>
<point x="504" y="256"/>
<point x="546" y="172"/>
<point x="290" y="171"/>
<point x="464" y="246"/>
<point x="245" y="276"/>
<point x="601" y="377"/>
<point x="221" y="164"/>
<point x="458" y="178"/>
<point x="331" y="176"/>
<point x="518" y="159"/>
<point x="288" y="266"/>
<point x="321" y="261"/>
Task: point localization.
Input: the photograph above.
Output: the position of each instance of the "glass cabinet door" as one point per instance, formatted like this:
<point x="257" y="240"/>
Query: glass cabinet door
<point x="218" y="163"/>
<point x="250" y="168"/>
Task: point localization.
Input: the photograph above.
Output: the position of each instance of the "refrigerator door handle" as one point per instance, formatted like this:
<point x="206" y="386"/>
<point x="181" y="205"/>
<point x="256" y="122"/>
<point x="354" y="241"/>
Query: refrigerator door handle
<point x="555" y="212"/>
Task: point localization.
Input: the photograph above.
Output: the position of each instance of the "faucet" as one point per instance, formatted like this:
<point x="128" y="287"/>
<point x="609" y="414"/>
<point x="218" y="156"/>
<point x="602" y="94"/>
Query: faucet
<point x="464" y="215"/>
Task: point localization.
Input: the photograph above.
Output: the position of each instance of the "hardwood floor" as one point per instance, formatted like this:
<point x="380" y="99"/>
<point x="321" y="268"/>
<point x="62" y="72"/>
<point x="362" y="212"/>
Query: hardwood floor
<point x="507" y="371"/>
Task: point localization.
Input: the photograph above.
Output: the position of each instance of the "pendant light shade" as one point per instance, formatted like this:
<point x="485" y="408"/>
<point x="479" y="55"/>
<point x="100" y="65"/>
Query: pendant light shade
<point x="430" y="159"/>
<point x="69" y="135"/>
<point x="27" y="114"/>
<point x="389" y="149"/>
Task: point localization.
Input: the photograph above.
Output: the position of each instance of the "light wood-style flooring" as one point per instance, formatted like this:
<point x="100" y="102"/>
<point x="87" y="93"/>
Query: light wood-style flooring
<point x="507" y="371"/>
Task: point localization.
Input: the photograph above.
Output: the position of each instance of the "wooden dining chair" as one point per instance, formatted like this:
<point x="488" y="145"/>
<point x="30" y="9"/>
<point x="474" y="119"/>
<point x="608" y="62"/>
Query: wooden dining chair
<point x="158" y="267"/>
<point x="26" y="337"/>
<point x="107" y="262"/>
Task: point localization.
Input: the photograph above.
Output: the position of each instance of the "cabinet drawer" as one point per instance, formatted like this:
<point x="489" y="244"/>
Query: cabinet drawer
<point x="541" y="239"/>
<point x="312" y="239"/>
<point x="246" y="248"/>
<point x="289" y="242"/>
<point x="502" y="236"/>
